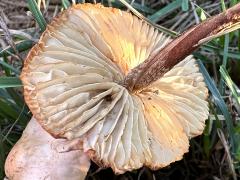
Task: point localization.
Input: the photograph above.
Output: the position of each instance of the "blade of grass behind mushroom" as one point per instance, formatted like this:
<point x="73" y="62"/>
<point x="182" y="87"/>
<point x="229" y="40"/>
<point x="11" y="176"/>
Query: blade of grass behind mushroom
<point x="235" y="92"/>
<point x="165" y="10"/>
<point x="218" y="100"/>
<point x="210" y="133"/>
<point x="231" y="85"/>
<point x="10" y="67"/>
<point x="224" y="62"/>
<point x="20" y="46"/>
<point x="9" y="70"/>
<point x="136" y="5"/>
<point x="37" y="14"/>
<point x="185" y="5"/>
<point x="206" y="138"/>
<point x="6" y="82"/>
<point x="65" y="4"/>
<point x="210" y="48"/>
<point x="225" y="56"/>
<point x="12" y="111"/>
<point x="139" y="15"/>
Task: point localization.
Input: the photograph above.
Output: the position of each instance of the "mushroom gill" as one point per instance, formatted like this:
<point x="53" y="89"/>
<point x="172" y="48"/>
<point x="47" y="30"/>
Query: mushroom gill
<point x="73" y="84"/>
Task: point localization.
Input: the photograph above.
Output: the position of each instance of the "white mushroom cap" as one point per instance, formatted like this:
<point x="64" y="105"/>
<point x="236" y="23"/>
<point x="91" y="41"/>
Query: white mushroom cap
<point x="73" y="86"/>
<point x="39" y="156"/>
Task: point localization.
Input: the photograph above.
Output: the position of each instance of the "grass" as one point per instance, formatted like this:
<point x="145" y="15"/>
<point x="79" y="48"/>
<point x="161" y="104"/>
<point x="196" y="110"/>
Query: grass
<point x="32" y="4"/>
<point x="215" y="154"/>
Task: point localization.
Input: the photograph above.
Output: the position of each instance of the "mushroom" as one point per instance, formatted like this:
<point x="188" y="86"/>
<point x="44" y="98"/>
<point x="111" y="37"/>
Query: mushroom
<point x="73" y="86"/>
<point x="37" y="155"/>
<point x="80" y="84"/>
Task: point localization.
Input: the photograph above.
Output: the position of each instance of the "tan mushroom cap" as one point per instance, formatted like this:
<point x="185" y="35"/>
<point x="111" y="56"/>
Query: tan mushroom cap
<point x="72" y="84"/>
<point x="39" y="156"/>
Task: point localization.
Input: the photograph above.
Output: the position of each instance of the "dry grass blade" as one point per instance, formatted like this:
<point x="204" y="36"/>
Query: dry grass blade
<point x="43" y="2"/>
<point x="7" y="34"/>
<point x="19" y="33"/>
<point x="226" y="29"/>
<point x="15" y="122"/>
<point x="139" y="15"/>
<point x="226" y="147"/>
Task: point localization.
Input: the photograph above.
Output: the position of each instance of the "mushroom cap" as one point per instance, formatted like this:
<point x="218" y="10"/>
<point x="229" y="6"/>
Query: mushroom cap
<point x="73" y="86"/>
<point x="37" y="155"/>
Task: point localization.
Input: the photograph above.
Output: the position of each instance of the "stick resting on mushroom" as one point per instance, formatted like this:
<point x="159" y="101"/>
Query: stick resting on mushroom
<point x="75" y="85"/>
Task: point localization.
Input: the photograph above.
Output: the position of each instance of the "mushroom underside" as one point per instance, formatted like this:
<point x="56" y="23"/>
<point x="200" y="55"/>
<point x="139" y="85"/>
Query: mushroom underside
<point x="73" y="85"/>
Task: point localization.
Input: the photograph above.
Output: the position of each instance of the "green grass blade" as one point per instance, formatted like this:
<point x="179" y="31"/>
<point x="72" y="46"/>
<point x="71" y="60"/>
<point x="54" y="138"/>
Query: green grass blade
<point x="37" y="14"/>
<point x="218" y="100"/>
<point x="225" y="51"/>
<point x="167" y="9"/>
<point x="206" y="139"/>
<point x="144" y="9"/>
<point x="8" y="66"/>
<point x="185" y="5"/>
<point x="14" y="123"/>
<point x="66" y="4"/>
<point x="6" y="70"/>
<point x="12" y="92"/>
<point x="15" y="96"/>
<point x="7" y="109"/>
<point x="230" y="83"/>
<point x="139" y="15"/>
<point x="137" y="6"/>
<point x="20" y="46"/>
<point x="223" y="5"/>
<point x="233" y="2"/>
<point x="201" y="13"/>
<point x="11" y="111"/>
<point x="225" y="58"/>
<point x="231" y="54"/>
<point x="6" y="82"/>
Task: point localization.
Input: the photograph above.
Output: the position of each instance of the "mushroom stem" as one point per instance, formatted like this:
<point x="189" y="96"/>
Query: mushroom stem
<point x="157" y="65"/>
<point x="37" y="155"/>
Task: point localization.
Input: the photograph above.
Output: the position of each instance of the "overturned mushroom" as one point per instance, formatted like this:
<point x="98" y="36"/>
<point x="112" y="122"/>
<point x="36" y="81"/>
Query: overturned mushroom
<point x="37" y="155"/>
<point x="78" y="86"/>
<point x="73" y="85"/>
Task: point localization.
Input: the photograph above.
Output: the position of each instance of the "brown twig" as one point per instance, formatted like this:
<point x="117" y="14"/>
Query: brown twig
<point x="157" y="65"/>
